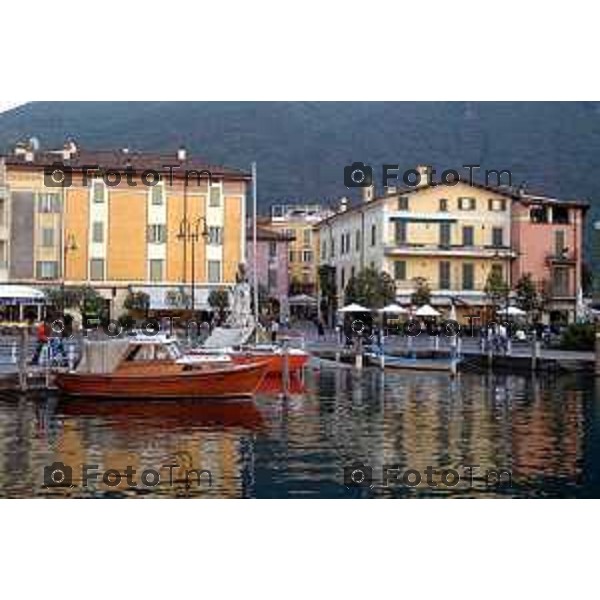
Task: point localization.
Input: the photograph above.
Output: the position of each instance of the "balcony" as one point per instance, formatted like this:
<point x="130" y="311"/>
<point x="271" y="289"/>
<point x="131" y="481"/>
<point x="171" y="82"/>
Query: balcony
<point x="561" y="258"/>
<point x="413" y="249"/>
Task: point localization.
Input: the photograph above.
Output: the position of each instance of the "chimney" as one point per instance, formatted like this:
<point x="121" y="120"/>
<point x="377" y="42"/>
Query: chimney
<point x="390" y="190"/>
<point x="368" y="193"/>
<point x="69" y="150"/>
<point x="423" y="171"/>
<point x="343" y="204"/>
<point x="181" y="154"/>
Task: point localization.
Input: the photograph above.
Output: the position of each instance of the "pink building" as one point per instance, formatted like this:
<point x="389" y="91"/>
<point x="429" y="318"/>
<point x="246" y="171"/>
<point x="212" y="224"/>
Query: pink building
<point x="272" y="264"/>
<point x="547" y="238"/>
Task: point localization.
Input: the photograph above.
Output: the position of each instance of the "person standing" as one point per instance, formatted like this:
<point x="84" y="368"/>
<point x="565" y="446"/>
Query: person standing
<point x="274" y="330"/>
<point x="42" y="333"/>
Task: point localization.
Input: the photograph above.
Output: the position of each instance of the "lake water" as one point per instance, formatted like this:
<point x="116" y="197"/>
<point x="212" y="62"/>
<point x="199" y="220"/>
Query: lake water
<point x="544" y="432"/>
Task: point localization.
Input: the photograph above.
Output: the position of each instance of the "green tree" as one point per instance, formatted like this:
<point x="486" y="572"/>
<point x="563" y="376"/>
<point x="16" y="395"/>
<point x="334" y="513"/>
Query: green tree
<point x="371" y="288"/>
<point x="82" y="297"/>
<point x="496" y="289"/>
<point x="137" y="301"/>
<point x="422" y="293"/>
<point x="219" y="301"/>
<point x="527" y="295"/>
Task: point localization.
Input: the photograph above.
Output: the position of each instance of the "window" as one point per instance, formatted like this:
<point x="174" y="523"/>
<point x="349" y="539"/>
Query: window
<point x="272" y="249"/>
<point x="467" y="204"/>
<point x="343" y="278"/>
<point x="403" y="203"/>
<point x="538" y="214"/>
<point x="215" y="196"/>
<point x="46" y="269"/>
<point x="497" y="237"/>
<point x="158" y="194"/>
<point x="559" y="243"/>
<point x="443" y="205"/>
<point x="323" y="250"/>
<point x="215" y="235"/>
<point x="307" y="237"/>
<point x="97" y="269"/>
<point x="497" y="272"/>
<point x="214" y="271"/>
<point x="48" y="237"/>
<point x="48" y="203"/>
<point x="560" y="215"/>
<point x="560" y="281"/>
<point x="348" y="242"/>
<point x="445" y="235"/>
<point x="467" y="235"/>
<point x="98" y="192"/>
<point x="289" y="233"/>
<point x="3" y="255"/>
<point x="373" y="234"/>
<point x="272" y="279"/>
<point x="444" y="275"/>
<point x="157" y="234"/>
<point x="400" y="232"/>
<point x="307" y="256"/>
<point x="291" y="256"/>
<point x="2" y="211"/>
<point x="357" y="240"/>
<point x="352" y="271"/>
<point x="342" y="244"/>
<point x="157" y="266"/>
<point x="98" y="232"/>
<point x="468" y="276"/>
<point x="400" y="270"/>
<point x="332" y="248"/>
<point x="497" y="204"/>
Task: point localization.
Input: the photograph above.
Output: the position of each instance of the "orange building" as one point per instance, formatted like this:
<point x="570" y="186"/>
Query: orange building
<point x="120" y="221"/>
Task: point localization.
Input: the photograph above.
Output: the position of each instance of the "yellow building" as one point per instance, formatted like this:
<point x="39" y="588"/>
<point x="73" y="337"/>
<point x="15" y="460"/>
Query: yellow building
<point x="121" y="220"/>
<point x="298" y="222"/>
<point x="452" y="237"/>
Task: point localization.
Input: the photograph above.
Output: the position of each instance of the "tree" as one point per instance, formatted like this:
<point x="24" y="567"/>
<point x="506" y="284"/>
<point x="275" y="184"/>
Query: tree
<point x="137" y="301"/>
<point x="83" y="298"/>
<point x="496" y="289"/>
<point x="422" y="293"/>
<point x="219" y="301"/>
<point x="527" y="295"/>
<point x="178" y="298"/>
<point x="371" y="288"/>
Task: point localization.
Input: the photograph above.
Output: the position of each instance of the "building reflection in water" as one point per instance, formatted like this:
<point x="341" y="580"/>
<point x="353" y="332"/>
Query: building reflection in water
<point x="544" y="430"/>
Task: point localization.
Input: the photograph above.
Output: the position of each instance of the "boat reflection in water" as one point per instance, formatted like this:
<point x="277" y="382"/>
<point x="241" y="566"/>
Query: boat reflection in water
<point x="545" y="431"/>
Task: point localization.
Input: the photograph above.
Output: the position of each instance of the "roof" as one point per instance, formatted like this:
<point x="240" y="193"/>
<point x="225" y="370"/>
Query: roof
<point x="120" y="160"/>
<point x="512" y="193"/>
<point x="265" y="234"/>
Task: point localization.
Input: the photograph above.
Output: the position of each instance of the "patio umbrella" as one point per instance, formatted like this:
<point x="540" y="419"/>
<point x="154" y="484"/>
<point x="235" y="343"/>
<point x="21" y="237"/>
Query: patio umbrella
<point x="512" y="311"/>
<point x="427" y="311"/>
<point x="393" y="309"/>
<point x="354" y="308"/>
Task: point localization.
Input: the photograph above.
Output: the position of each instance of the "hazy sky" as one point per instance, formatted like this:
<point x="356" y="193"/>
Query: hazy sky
<point x="8" y="104"/>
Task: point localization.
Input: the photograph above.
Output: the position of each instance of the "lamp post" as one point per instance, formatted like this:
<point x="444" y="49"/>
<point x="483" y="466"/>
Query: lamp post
<point x="189" y="232"/>
<point x="70" y="245"/>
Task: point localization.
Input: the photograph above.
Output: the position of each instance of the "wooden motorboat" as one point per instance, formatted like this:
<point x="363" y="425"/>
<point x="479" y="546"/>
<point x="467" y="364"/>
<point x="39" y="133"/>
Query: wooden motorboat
<point x="275" y="357"/>
<point x="155" y="368"/>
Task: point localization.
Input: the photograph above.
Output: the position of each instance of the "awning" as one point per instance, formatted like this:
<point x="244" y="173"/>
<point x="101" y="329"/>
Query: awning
<point x="20" y="294"/>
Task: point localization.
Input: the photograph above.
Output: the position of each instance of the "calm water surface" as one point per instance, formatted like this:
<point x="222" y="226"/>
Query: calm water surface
<point x="546" y="431"/>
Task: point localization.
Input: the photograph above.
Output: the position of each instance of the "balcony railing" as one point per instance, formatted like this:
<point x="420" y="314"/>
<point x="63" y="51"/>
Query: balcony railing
<point x="564" y="257"/>
<point x="399" y="246"/>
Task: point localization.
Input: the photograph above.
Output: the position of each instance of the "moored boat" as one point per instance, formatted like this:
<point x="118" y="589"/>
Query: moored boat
<point x="155" y="368"/>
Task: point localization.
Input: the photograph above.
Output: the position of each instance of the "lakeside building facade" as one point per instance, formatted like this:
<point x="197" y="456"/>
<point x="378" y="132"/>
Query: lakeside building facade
<point x="297" y="222"/>
<point x="454" y="238"/>
<point x="120" y="232"/>
<point x="272" y="268"/>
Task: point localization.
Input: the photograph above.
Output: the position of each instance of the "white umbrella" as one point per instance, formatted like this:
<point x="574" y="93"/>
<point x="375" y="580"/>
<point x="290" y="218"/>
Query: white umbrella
<point x="512" y="311"/>
<point x="427" y="311"/>
<point x="354" y="308"/>
<point x="394" y="309"/>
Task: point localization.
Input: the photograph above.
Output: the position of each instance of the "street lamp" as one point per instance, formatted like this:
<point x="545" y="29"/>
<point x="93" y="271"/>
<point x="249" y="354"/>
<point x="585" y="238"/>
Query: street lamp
<point x="189" y="232"/>
<point x="70" y="245"/>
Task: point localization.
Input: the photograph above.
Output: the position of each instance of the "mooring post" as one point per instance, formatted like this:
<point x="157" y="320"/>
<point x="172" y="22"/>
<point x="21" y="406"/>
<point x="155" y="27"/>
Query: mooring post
<point x="23" y="350"/>
<point x="597" y="370"/>
<point x="535" y="348"/>
<point x="13" y="353"/>
<point x="358" y="359"/>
